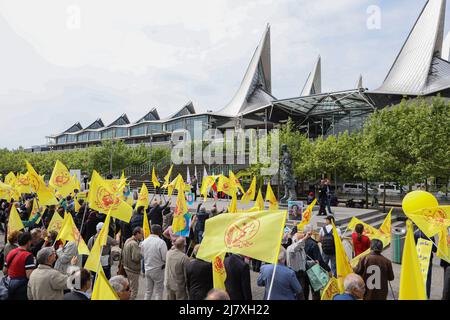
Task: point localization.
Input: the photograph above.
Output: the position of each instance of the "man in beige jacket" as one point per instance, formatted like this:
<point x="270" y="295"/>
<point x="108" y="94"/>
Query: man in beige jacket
<point x="47" y="283"/>
<point x="175" y="273"/>
<point x="131" y="259"/>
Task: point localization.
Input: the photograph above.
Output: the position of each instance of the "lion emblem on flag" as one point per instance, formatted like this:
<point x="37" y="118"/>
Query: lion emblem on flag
<point x="61" y="179"/>
<point x="218" y="265"/>
<point x="106" y="199"/>
<point x="241" y="233"/>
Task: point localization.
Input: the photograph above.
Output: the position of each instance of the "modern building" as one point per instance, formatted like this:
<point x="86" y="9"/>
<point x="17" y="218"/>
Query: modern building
<point x="421" y="69"/>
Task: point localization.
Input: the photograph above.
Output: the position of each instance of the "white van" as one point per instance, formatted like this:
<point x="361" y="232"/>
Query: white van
<point x="391" y="189"/>
<point x="352" y="188"/>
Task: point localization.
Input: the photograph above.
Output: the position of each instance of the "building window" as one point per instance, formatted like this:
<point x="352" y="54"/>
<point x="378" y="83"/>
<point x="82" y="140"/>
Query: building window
<point x="108" y="134"/>
<point x="94" y="135"/>
<point x="121" y="132"/>
<point x="138" y="131"/>
<point x="83" y="136"/>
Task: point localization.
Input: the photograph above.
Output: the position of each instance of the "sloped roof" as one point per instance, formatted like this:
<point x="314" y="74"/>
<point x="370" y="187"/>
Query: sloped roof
<point x="313" y="84"/>
<point x="411" y="71"/>
<point x="256" y="86"/>
<point x="151" y="115"/>
<point x="187" y="109"/>
<point x="74" y="128"/>
<point x="446" y="48"/>
<point x="120" y="121"/>
<point x="359" y="84"/>
<point x="97" y="124"/>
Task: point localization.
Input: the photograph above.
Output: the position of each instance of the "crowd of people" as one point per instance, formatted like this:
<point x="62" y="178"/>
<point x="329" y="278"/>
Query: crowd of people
<point x="39" y="267"/>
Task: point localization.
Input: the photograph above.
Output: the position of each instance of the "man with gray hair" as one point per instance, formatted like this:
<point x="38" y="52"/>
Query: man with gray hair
<point x="354" y="288"/>
<point x="175" y="275"/>
<point x="121" y="286"/>
<point x="285" y="285"/>
<point x="45" y="282"/>
<point x="376" y="270"/>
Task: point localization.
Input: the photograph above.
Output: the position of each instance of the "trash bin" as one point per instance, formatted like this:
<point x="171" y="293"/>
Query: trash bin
<point x="398" y="240"/>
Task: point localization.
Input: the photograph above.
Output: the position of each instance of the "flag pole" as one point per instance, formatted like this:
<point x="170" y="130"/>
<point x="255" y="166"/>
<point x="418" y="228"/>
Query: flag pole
<point x="276" y="264"/>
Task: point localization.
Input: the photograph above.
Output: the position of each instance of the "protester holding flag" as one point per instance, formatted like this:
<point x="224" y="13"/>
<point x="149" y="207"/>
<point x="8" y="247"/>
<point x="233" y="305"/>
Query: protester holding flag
<point x="360" y="241"/>
<point x="418" y="234"/>
<point x="237" y="282"/>
<point x="105" y="259"/>
<point x="327" y="240"/>
<point x="286" y="286"/>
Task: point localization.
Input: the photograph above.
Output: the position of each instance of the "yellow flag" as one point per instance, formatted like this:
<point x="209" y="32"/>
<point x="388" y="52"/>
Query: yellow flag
<point x="181" y="208"/>
<point x="34" y="210"/>
<point x="93" y="261"/>
<point x="251" y="192"/>
<point x="146" y="226"/>
<point x="423" y="248"/>
<point x="155" y="181"/>
<point x="23" y="183"/>
<point x="385" y="228"/>
<point x="10" y="178"/>
<point x="77" y="205"/>
<point x="343" y="267"/>
<point x="14" y="222"/>
<point x="270" y="196"/>
<point x="122" y="177"/>
<point x="102" y="289"/>
<point x="235" y="184"/>
<point x="46" y="197"/>
<point x="103" y="199"/>
<point x="443" y="251"/>
<point x="411" y="281"/>
<point x="219" y="273"/>
<point x="306" y="216"/>
<point x="61" y="179"/>
<point x="224" y="185"/>
<point x="207" y="182"/>
<point x="177" y="183"/>
<point x="431" y="220"/>
<point x="8" y="192"/>
<point x="233" y="204"/>
<point x="167" y="177"/>
<point x="143" y="197"/>
<point x="76" y="182"/>
<point x="383" y="234"/>
<point x="69" y="232"/>
<point x="259" y="201"/>
<point x="56" y="223"/>
<point x="331" y="289"/>
<point x="257" y="235"/>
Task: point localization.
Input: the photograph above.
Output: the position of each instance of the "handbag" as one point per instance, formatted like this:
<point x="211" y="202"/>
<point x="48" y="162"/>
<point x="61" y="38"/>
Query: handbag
<point x="318" y="277"/>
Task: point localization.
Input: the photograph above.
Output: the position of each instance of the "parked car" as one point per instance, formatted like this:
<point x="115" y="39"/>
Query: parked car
<point x="355" y="188"/>
<point x="391" y="189"/>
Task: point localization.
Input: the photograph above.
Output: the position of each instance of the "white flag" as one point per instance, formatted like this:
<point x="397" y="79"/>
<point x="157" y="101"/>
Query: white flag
<point x="188" y="176"/>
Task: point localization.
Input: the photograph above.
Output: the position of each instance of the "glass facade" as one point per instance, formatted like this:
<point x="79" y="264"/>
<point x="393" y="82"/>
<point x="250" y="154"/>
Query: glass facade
<point x="61" y="140"/>
<point x="94" y="135"/>
<point x="83" y="137"/>
<point x="121" y="132"/>
<point x="138" y="130"/>
<point x="108" y="134"/>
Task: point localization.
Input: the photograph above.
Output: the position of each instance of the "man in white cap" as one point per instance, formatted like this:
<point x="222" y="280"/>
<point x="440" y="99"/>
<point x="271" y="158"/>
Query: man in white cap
<point x="105" y="259"/>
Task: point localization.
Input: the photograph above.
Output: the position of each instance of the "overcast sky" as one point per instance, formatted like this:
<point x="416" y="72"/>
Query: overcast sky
<point x="67" y="61"/>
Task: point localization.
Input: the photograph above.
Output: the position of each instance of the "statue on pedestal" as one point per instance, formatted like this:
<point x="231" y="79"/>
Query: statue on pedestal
<point x="287" y="176"/>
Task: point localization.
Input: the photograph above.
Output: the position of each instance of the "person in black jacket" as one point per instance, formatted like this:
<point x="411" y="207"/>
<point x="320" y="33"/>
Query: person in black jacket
<point x="312" y="251"/>
<point x="155" y="213"/>
<point x="200" y="219"/>
<point x="237" y="282"/>
<point x="199" y="278"/>
<point x="137" y="220"/>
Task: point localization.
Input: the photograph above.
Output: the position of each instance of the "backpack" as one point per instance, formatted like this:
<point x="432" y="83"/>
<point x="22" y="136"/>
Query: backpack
<point x="328" y="242"/>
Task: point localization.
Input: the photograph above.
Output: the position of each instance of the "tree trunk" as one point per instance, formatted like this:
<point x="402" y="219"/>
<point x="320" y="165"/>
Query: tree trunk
<point x="384" y="197"/>
<point x="426" y="184"/>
